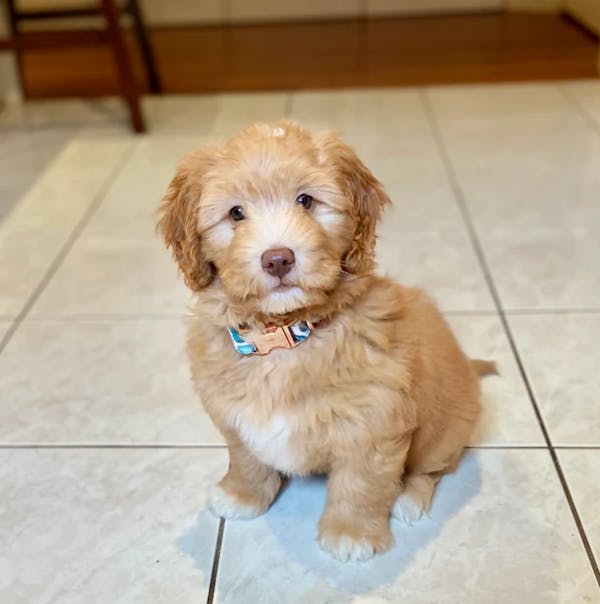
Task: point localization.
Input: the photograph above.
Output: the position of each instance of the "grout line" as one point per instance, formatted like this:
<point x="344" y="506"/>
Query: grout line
<point x="551" y="311"/>
<point x="587" y="118"/>
<point x="97" y="200"/>
<point x="109" y="317"/>
<point x="470" y="313"/>
<point x="110" y="446"/>
<point x="524" y="311"/>
<point x="462" y="206"/>
<point x="577" y="447"/>
<point x="222" y="446"/>
<point x="216" y="559"/>
<point x="507" y="447"/>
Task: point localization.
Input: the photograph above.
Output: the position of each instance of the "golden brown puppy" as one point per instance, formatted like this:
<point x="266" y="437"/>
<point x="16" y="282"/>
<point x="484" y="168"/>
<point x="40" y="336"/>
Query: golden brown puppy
<point x="304" y="359"/>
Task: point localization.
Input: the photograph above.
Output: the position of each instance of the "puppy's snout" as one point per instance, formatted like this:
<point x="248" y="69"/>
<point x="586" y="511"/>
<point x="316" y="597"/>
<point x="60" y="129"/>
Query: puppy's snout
<point x="278" y="261"/>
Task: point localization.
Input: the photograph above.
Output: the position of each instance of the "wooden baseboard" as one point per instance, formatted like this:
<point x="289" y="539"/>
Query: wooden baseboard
<point x="330" y="54"/>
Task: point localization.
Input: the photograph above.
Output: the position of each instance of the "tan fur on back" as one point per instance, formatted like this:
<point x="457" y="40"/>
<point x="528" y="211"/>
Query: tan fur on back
<point x="378" y="395"/>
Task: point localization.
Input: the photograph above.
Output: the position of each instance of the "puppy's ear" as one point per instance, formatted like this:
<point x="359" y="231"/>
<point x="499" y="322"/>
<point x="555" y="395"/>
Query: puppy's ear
<point x="178" y="218"/>
<point x="368" y="200"/>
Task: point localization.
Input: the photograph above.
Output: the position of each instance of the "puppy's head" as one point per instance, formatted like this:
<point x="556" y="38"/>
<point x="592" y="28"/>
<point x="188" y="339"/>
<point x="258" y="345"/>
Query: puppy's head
<point x="279" y="214"/>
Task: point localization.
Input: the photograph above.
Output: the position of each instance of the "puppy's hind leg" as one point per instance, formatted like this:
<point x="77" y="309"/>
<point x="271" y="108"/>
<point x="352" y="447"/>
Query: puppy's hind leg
<point x="415" y="498"/>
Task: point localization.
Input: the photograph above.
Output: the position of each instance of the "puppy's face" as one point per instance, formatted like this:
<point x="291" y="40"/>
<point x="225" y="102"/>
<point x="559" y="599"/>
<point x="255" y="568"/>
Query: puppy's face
<point x="278" y="213"/>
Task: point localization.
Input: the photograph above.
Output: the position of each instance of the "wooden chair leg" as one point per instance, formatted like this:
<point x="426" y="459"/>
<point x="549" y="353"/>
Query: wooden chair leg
<point x="13" y="24"/>
<point x="127" y="84"/>
<point x="133" y="8"/>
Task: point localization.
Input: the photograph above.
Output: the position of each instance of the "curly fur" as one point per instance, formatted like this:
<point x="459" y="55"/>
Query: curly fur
<point x="380" y="397"/>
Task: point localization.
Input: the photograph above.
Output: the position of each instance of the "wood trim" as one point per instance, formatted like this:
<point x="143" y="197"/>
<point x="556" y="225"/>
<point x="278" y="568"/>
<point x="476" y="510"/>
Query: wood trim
<point x="332" y="54"/>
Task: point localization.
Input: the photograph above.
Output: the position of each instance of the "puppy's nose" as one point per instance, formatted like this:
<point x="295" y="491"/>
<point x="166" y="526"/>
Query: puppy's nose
<point x="278" y="261"/>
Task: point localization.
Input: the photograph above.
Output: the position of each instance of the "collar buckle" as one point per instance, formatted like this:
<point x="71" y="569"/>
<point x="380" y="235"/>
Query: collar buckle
<point x="273" y="337"/>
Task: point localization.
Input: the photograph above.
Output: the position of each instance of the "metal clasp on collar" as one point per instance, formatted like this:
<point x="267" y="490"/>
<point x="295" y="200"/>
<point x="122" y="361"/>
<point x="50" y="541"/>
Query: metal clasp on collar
<point x="273" y="337"/>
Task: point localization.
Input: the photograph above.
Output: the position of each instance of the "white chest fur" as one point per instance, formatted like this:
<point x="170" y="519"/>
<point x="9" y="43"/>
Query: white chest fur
<point x="271" y="441"/>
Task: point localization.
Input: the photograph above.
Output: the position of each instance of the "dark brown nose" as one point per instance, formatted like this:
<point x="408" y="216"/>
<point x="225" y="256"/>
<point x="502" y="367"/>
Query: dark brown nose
<point x="278" y="261"/>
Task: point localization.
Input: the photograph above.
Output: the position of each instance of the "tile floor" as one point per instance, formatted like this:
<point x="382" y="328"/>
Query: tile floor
<point x="106" y="456"/>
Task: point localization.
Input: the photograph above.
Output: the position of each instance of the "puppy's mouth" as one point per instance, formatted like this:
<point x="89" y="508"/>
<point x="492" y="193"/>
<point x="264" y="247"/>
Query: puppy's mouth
<point x="283" y="297"/>
<point x="283" y="287"/>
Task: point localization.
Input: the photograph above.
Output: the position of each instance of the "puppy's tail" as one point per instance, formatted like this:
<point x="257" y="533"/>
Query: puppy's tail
<point x="482" y="368"/>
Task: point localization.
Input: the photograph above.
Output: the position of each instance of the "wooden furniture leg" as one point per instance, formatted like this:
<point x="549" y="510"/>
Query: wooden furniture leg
<point x="133" y="8"/>
<point x="13" y="24"/>
<point x="127" y="83"/>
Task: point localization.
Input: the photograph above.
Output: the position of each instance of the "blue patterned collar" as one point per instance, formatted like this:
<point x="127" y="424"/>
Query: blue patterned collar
<point x="273" y="336"/>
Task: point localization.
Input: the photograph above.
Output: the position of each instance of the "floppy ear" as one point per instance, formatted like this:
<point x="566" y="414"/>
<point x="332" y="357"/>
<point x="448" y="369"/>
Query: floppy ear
<point x="178" y="218"/>
<point x="368" y="200"/>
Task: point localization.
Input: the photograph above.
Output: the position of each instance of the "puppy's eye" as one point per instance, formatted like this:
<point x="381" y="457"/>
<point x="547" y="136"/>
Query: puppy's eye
<point x="237" y="213"/>
<point x="304" y="200"/>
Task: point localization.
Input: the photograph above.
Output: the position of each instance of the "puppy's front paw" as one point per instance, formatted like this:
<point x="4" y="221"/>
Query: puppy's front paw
<point x="226" y="505"/>
<point x="350" y="544"/>
<point x="347" y="549"/>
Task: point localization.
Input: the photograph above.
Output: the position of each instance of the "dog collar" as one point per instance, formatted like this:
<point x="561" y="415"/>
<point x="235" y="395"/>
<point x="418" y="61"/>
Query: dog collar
<point x="273" y="336"/>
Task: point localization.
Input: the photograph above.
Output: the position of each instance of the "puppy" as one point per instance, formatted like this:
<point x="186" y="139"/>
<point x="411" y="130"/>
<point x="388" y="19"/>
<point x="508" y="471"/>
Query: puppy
<point x="304" y="359"/>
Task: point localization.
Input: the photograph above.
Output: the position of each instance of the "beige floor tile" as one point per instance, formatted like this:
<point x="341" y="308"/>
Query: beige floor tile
<point x="62" y="193"/>
<point x="129" y="210"/>
<point x="441" y="262"/>
<point x="546" y="270"/>
<point x="63" y="114"/>
<point x="500" y="531"/>
<point x="507" y="416"/>
<point x="360" y="113"/>
<point x="238" y="110"/>
<point x="561" y="357"/>
<point x="484" y="104"/>
<point x="524" y="156"/>
<point x="528" y="164"/>
<point x="107" y="276"/>
<point x="422" y="241"/>
<point x="586" y="95"/>
<point x="34" y="230"/>
<point x="180" y="114"/>
<point x="580" y="466"/>
<point x="119" y="264"/>
<point x="106" y="525"/>
<point x="220" y="114"/>
<point x="30" y="153"/>
<point x="25" y="260"/>
<point x="100" y="381"/>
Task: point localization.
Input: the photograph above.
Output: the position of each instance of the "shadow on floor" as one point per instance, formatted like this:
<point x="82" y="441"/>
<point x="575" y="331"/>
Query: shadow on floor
<point x="293" y="520"/>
